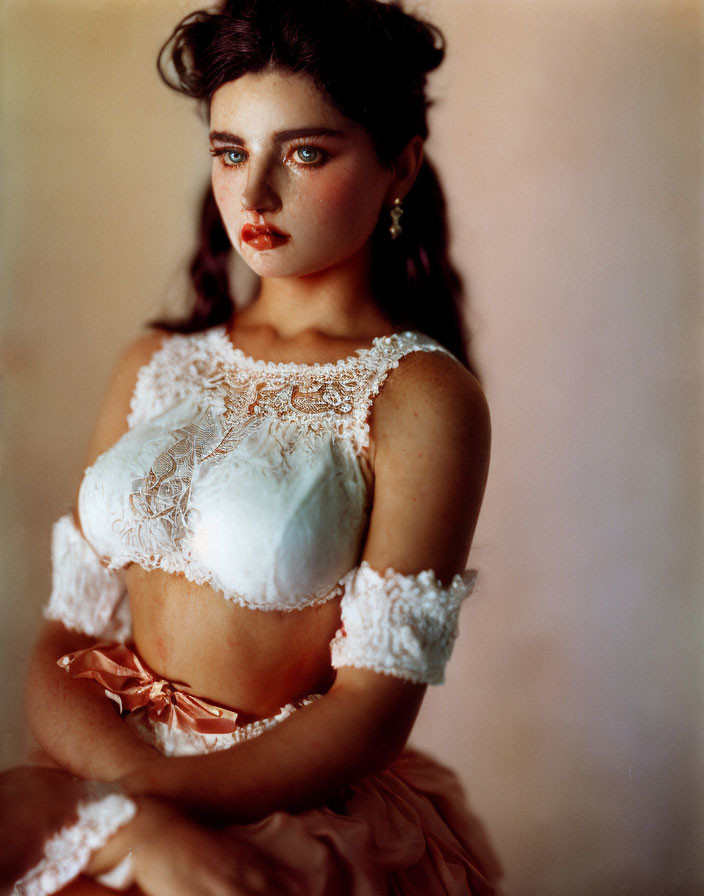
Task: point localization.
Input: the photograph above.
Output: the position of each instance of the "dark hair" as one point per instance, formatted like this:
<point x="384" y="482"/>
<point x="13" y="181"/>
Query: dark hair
<point x="370" y="59"/>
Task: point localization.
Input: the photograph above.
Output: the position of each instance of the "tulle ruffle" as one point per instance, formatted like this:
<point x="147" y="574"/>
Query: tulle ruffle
<point x="404" y="831"/>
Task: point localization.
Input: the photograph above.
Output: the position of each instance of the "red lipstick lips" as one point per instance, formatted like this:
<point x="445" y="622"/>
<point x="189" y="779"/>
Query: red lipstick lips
<point x="263" y="236"/>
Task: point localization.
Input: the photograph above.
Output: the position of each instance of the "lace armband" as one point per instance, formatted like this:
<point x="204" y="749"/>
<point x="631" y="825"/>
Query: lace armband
<point x="397" y="624"/>
<point x="68" y="852"/>
<point x="85" y="596"/>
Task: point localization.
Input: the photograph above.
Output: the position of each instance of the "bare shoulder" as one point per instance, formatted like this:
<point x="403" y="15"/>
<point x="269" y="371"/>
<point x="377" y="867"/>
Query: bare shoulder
<point x="430" y="433"/>
<point x="112" y="418"/>
<point x="138" y="353"/>
<point x="431" y="396"/>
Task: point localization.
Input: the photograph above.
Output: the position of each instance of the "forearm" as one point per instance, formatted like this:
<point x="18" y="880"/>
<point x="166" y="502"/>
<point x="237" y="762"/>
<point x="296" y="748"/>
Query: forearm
<point x="302" y="762"/>
<point x="72" y="720"/>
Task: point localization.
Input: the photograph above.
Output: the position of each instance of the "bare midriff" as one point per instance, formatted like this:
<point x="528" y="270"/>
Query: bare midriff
<point x="252" y="661"/>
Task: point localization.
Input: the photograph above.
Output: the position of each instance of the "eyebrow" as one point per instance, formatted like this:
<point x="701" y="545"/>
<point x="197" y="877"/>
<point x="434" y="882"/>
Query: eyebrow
<point x="280" y="136"/>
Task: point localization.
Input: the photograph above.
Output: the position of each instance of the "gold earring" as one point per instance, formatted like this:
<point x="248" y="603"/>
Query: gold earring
<point x="396" y="211"/>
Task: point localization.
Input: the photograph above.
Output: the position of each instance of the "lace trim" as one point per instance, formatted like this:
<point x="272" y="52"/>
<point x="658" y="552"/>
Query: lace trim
<point x="68" y="852"/>
<point x="171" y="741"/>
<point x="401" y="625"/>
<point x="85" y="596"/>
<point x="333" y="398"/>
<point x="231" y="397"/>
<point x="182" y="563"/>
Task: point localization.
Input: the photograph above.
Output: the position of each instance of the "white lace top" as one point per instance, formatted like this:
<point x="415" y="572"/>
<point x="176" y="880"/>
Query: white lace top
<point x="252" y="476"/>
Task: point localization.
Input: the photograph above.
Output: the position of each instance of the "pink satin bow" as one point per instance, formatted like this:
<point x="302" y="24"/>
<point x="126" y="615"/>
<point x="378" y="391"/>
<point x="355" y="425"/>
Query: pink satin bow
<point x="132" y="686"/>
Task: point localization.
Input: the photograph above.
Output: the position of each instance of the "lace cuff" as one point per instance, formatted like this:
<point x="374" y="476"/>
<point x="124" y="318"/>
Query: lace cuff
<point x="399" y="625"/>
<point x="85" y="596"/>
<point x="68" y="852"/>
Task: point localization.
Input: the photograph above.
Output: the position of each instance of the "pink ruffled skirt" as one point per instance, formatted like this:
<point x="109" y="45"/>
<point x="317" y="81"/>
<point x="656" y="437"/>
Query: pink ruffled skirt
<point x="404" y="831"/>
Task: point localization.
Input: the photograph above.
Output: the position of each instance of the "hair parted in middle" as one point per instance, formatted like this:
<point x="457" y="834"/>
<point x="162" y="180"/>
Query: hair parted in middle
<point x="370" y="60"/>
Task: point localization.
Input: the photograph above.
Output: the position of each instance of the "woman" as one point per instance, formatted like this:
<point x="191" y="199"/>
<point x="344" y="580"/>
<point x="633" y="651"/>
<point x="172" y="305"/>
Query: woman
<point x="266" y="563"/>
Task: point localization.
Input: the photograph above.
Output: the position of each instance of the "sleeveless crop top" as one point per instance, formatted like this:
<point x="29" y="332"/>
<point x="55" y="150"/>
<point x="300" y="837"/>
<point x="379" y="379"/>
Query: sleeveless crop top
<point x="248" y="475"/>
<point x="253" y="477"/>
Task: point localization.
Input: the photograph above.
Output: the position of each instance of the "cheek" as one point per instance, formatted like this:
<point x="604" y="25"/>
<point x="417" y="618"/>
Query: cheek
<point x="227" y="191"/>
<point x="338" y="199"/>
<point x="334" y="194"/>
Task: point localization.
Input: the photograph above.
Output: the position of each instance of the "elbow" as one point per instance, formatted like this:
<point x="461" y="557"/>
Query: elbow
<point x="43" y="679"/>
<point x="387" y="743"/>
<point x="38" y="687"/>
<point x="35" y="695"/>
<point x="384" y="717"/>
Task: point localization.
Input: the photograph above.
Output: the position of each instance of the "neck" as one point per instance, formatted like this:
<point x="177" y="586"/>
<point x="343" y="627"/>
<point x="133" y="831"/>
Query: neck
<point x="336" y="303"/>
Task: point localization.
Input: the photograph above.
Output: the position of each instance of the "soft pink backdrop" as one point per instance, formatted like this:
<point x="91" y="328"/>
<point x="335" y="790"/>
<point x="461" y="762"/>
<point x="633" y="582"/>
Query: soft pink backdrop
<point x="569" y="133"/>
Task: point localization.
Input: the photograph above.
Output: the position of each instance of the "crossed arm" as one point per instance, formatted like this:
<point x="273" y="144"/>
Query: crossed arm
<point x="357" y="728"/>
<point x="430" y="461"/>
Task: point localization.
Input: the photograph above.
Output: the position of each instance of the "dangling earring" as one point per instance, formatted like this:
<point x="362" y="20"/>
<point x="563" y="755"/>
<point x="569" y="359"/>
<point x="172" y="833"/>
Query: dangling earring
<point x="396" y="211"/>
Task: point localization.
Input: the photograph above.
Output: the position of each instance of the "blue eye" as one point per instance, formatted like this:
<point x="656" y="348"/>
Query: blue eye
<point x="234" y="157"/>
<point x="308" y="154"/>
<point x="231" y="158"/>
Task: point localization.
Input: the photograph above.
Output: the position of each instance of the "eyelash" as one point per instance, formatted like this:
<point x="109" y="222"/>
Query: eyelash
<point x="222" y="152"/>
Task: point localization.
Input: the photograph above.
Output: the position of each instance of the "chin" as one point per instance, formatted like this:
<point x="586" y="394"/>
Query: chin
<point x="268" y="264"/>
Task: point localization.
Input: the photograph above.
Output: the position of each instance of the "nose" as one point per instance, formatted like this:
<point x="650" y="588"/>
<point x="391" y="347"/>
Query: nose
<point x="259" y="194"/>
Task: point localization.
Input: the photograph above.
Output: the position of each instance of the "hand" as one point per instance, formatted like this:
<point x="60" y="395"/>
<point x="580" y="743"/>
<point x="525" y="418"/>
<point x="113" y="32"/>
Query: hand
<point x="35" y="803"/>
<point x="175" y="856"/>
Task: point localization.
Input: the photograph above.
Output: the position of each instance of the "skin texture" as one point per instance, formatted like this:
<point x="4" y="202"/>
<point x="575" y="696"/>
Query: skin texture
<point x="324" y="190"/>
<point x="429" y="454"/>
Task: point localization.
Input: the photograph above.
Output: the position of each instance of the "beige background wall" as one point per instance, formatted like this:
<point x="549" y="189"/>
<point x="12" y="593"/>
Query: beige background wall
<point x="569" y="132"/>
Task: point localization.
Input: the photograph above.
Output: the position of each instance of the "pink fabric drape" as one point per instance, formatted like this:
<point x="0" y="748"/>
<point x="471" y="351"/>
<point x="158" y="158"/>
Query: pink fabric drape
<point x="132" y="686"/>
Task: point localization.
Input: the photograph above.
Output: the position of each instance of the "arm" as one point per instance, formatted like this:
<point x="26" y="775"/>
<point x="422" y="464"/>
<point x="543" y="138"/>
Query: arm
<point x="71" y="720"/>
<point x="357" y="728"/>
<point x="431" y="430"/>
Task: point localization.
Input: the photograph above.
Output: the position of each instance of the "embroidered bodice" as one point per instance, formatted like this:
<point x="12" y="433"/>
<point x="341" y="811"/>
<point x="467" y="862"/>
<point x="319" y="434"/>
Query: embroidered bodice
<point x="253" y="477"/>
<point x="248" y="475"/>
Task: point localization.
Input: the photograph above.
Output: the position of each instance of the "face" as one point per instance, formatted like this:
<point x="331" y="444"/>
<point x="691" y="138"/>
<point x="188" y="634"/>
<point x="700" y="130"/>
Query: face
<point x="298" y="185"/>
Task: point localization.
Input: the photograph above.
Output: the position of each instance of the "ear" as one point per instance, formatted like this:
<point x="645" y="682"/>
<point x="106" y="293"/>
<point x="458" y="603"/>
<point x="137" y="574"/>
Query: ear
<point x="405" y="169"/>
